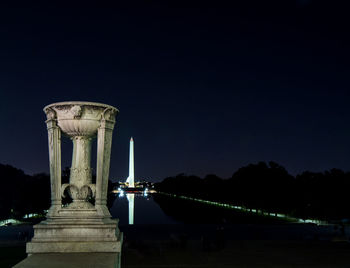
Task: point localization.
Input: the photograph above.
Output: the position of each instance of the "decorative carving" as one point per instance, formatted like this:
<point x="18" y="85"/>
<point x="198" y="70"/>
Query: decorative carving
<point x="50" y="114"/>
<point x="63" y="188"/>
<point x="109" y="114"/>
<point x="93" y="189"/>
<point x="93" y="112"/>
<point x="77" y="173"/>
<point x="62" y="108"/>
<point x="79" y="195"/>
<point x="76" y="111"/>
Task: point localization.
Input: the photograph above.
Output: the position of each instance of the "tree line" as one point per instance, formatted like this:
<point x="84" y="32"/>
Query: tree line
<point x="263" y="186"/>
<point x="22" y="194"/>
<point x="269" y="187"/>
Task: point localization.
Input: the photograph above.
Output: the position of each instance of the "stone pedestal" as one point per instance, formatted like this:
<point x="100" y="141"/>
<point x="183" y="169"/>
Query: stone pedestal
<point x="80" y="227"/>
<point x="71" y="260"/>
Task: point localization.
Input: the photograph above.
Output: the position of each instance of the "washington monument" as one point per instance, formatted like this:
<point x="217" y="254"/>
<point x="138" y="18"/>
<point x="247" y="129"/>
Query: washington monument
<point x="131" y="177"/>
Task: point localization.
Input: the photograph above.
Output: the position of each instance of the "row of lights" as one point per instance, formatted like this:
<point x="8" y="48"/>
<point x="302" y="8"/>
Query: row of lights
<point x="229" y="206"/>
<point x="14" y="221"/>
<point x="122" y="192"/>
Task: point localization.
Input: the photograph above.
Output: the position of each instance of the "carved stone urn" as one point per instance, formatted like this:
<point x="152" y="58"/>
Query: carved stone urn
<point x="81" y="226"/>
<point x="80" y="121"/>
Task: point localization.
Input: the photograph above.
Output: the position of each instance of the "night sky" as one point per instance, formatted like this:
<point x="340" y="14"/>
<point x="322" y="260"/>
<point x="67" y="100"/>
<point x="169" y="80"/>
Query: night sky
<point x="202" y="88"/>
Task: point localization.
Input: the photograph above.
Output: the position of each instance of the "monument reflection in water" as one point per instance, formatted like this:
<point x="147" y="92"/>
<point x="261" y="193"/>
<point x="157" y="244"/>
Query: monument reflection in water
<point x="131" y="202"/>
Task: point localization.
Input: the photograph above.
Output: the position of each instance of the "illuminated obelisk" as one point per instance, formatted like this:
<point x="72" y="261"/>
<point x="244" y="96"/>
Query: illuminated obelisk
<point x="131" y="177"/>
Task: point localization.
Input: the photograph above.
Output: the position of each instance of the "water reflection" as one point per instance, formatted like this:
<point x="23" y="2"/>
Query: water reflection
<point x="145" y="209"/>
<point x="131" y="200"/>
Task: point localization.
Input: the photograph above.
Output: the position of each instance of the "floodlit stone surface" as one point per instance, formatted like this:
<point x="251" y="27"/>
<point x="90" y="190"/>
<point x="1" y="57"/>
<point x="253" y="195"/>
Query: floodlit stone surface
<point x="81" y="226"/>
<point x="71" y="260"/>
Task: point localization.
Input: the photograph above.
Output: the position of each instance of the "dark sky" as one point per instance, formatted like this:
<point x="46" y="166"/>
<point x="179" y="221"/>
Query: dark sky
<point x="202" y="88"/>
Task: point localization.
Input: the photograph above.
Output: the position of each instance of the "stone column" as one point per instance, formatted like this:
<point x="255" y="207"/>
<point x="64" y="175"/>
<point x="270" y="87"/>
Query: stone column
<point x="54" y="136"/>
<point x="104" y="143"/>
<point x="81" y="161"/>
<point x="81" y="173"/>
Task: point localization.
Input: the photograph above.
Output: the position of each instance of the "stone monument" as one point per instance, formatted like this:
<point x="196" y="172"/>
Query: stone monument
<point x="80" y="227"/>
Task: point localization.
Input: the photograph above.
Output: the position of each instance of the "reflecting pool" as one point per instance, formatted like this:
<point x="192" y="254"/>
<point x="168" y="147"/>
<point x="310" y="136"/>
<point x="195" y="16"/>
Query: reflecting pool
<point x="132" y="208"/>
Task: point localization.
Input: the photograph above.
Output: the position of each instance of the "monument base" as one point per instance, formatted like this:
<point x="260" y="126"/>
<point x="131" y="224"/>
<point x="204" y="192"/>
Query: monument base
<point x="68" y="236"/>
<point x="74" y="247"/>
<point x="71" y="260"/>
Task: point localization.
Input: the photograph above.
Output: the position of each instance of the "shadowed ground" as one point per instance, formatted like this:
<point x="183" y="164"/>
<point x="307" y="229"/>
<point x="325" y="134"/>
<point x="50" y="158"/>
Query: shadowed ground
<point x="234" y="246"/>
<point x="290" y="245"/>
<point x="241" y="254"/>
